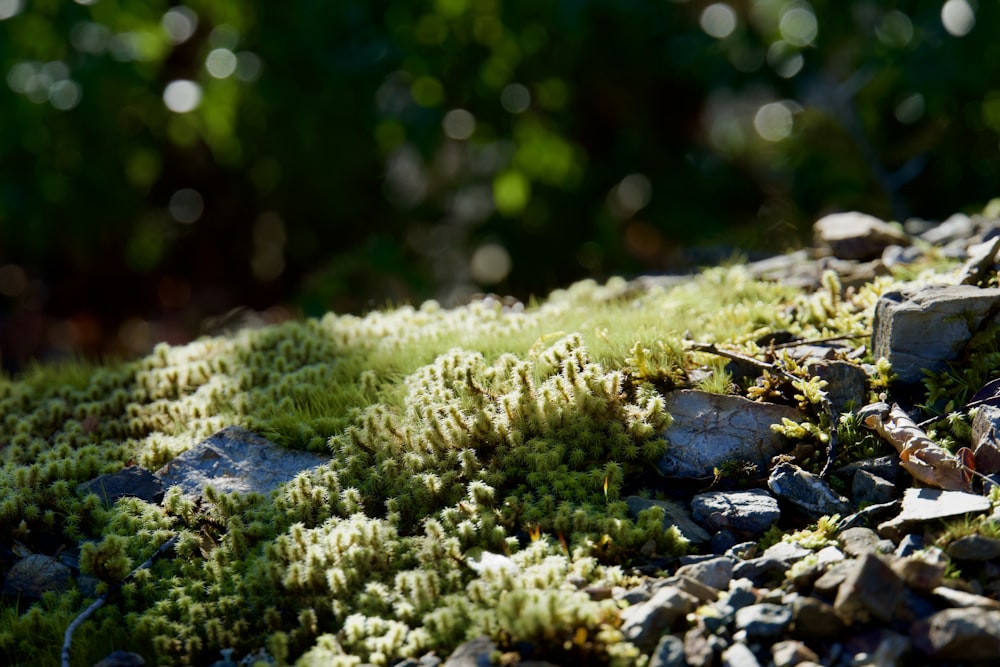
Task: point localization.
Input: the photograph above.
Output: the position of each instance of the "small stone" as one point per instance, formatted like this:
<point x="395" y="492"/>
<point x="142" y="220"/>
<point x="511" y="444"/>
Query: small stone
<point x="870" y="590"/>
<point x="847" y="384"/>
<point x="791" y="652"/>
<point x="959" y="635"/>
<point x="855" y="235"/>
<point x="697" y="649"/>
<point x="763" y="622"/>
<point x="955" y="598"/>
<point x="121" y="659"/>
<point x="716" y="572"/>
<point x="473" y="653"/>
<point x="34" y="575"/>
<point x="750" y="512"/>
<point x="886" y="467"/>
<point x="858" y="541"/>
<point x="921" y="574"/>
<point x="644" y="623"/>
<point x="806" y="491"/>
<point x="132" y="481"/>
<point x="974" y="547"/>
<point x="870" y="489"/>
<point x="921" y="505"/>
<point x="669" y="652"/>
<point x="739" y="655"/>
<point x="814" y="619"/>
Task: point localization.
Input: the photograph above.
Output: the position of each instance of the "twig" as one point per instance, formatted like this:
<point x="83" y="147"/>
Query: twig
<point x="816" y="341"/>
<point x="99" y="602"/>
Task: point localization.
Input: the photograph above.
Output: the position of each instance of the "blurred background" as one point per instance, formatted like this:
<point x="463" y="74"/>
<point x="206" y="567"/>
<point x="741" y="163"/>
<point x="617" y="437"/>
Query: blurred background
<point x="162" y="164"/>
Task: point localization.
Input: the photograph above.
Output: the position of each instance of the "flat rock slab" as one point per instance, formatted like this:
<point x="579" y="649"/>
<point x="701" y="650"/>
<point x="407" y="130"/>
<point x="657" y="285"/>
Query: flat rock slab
<point x="922" y="505"/>
<point x="856" y="235"/>
<point x="234" y="459"/>
<point x="133" y="481"/>
<point x="746" y="512"/>
<point x="35" y="575"/>
<point x="711" y="429"/>
<point x="923" y="328"/>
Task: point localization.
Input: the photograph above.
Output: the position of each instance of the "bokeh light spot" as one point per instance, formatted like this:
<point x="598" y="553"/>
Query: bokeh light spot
<point x="630" y="196"/>
<point x="773" y="121"/>
<point x="459" y="124"/>
<point x="221" y="63"/>
<point x="248" y="66"/>
<point x="798" y="26"/>
<point x="427" y="91"/>
<point x="910" y="109"/>
<point x="718" y="20"/>
<point x="10" y="8"/>
<point x="515" y="98"/>
<point x="89" y="37"/>
<point x="179" y="23"/>
<point x="65" y="95"/>
<point x="511" y="192"/>
<point x="186" y="205"/>
<point x="224" y="36"/>
<point x="490" y="264"/>
<point x="182" y="96"/>
<point x="958" y="17"/>
<point x="895" y="29"/>
<point x="785" y="59"/>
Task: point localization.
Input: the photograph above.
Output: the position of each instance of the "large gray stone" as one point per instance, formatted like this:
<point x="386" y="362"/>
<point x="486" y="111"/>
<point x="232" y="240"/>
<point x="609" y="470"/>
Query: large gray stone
<point x="806" y="491"/>
<point x="132" y="481"/>
<point x="959" y="635"/>
<point x="744" y="512"/>
<point x="922" y="505"/>
<point x="921" y="329"/>
<point x="234" y="459"/>
<point x="709" y="430"/>
<point x="856" y="235"/>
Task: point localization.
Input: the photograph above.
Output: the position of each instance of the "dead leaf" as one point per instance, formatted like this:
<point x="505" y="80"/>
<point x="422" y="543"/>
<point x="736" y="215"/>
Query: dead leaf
<point x="918" y="454"/>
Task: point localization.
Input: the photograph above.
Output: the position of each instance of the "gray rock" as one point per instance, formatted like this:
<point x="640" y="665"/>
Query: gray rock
<point x="121" y="659"/>
<point x="791" y="652"/>
<point x="871" y="515"/>
<point x="974" y="547"/>
<point x="739" y="655"/>
<point x="847" y="387"/>
<point x="806" y="491"/>
<point x="750" y="512"/>
<point x="922" y="574"/>
<point x="959" y="635"/>
<point x="986" y="439"/>
<point x="674" y="514"/>
<point x="922" y="328"/>
<point x="760" y="570"/>
<point x="786" y="552"/>
<point x="669" y="652"/>
<point x="870" y="489"/>
<point x="855" y="235"/>
<point x="691" y="586"/>
<point x="234" y="459"/>
<point x="36" y="574"/>
<point x="473" y="653"/>
<point x="859" y="541"/>
<point x="922" y="505"/>
<point x="955" y="598"/>
<point x="763" y="622"/>
<point x="715" y="572"/>
<point x="886" y="467"/>
<point x="644" y="623"/>
<point x="698" y="650"/>
<point x="813" y="619"/>
<point x="871" y="590"/>
<point x="133" y="481"/>
<point x="709" y="430"/>
<point x="958" y="227"/>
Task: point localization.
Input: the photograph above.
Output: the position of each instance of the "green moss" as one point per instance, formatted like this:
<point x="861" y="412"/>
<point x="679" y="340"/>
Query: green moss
<point x="454" y="433"/>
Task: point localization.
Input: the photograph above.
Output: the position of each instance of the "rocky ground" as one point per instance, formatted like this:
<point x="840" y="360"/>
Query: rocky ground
<point x="805" y="550"/>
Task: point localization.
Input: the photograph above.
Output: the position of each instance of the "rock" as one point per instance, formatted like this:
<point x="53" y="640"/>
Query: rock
<point x="806" y="491"/>
<point x="847" y="387"/>
<point x="859" y="541"/>
<point x="921" y="574"/>
<point x="790" y="652"/>
<point x="813" y="619"/>
<point x="922" y="505"/>
<point x="121" y="659"/>
<point x="36" y="574"/>
<point x="985" y="432"/>
<point x="981" y="262"/>
<point x="959" y="635"/>
<point x="974" y="547"/>
<point x="644" y="623"/>
<point x="763" y="622"/>
<point x="856" y="235"/>
<point x="958" y="227"/>
<point x="871" y="590"/>
<point x="886" y="467"/>
<point x="668" y="653"/>
<point x="715" y="572"/>
<point x="955" y="598"/>
<point x="739" y="655"/>
<point x="709" y="430"/>
<point x="133" y="481"/>
<point x="235" y="459"/>
<point x="674" y="514"/>
<point x="750" y="512"/>
<point x="870" y="489"/>
<point x="920" y="329"/>
<point x="473" y="653"/>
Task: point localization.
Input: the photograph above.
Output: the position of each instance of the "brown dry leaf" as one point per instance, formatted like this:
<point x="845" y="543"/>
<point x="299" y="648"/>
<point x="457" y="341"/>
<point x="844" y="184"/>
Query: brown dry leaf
<point x="918" y="455"/>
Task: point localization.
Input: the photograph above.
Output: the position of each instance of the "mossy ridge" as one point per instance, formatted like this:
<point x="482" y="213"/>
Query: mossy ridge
<point x="453" y="429"/>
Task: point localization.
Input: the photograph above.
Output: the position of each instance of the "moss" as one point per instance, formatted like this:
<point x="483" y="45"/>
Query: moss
<point x="454" y="433"/>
